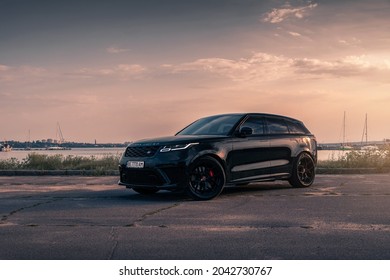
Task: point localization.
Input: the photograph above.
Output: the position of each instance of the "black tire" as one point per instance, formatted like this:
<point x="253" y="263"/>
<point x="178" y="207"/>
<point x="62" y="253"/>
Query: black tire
<point x="304" y="171"/>
<point x="146" y="191"/>
<point x="206" y="179"/>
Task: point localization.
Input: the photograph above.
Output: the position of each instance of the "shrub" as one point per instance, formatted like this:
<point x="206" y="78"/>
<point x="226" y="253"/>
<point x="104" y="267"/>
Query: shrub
<point x="36" y="161"/>
<point x="378" y="159"/>
<point x="9" y="164"/>
<point x="42" y="162"/>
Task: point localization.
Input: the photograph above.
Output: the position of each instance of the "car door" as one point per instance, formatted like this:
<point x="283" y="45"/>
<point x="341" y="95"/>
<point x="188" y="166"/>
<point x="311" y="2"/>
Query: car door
<point x="281" y="143"/>
<point x="249" y="158"/>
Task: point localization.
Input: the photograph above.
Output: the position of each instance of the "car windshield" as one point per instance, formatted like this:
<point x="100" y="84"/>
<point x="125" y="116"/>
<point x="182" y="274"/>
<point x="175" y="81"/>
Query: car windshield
<point x="215" y="125"/>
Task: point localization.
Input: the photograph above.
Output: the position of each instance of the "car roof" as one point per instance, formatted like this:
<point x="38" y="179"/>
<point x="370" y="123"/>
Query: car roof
<point x="258" y="114"/>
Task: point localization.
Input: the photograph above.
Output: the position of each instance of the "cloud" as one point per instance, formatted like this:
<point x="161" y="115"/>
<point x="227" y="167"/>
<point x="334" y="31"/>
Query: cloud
<point x="5" y="75"/>
<point x="262" y="67"/>
<point x="349" y="66"/>
<point x="3" y="68"/>
<point x="131" y="68"/>
<point x="294" y="34"/>
<point x="116" y="50"/>
<point x="253" y="70"/>
<point x="221" y="66"/>
<point x="258" y="67"/>
<point x="281" y="14"/>
<point x="121" y="71"/>
<point x="22" y="73"/>
<point x="350" y="42"/>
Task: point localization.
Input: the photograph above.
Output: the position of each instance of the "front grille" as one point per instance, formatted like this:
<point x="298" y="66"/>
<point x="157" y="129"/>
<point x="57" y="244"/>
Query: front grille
<point x="142" y="151"/>
<point x="142" y="177"/>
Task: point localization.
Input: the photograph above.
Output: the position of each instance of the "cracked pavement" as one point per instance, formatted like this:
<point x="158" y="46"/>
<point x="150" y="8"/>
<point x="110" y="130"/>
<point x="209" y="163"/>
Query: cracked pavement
<point x="70" y="217"/>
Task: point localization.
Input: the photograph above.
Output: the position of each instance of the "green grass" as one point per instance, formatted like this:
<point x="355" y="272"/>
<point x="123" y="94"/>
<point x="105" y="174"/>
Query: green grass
<point x="377" y="159"/>
<point x="59" y="162"/>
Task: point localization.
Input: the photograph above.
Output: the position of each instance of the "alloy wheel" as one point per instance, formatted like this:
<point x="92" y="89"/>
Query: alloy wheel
<point x="206" y="179"/>
<point x="303" y="173"/>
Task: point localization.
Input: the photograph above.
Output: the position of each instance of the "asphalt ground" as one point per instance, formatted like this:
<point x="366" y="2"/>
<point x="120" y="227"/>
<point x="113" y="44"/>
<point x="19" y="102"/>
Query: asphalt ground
<point x="71" y="217"/>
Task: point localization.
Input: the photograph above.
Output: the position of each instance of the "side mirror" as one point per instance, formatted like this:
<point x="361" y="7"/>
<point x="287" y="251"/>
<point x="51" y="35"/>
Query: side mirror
<point x="245" y="131"/>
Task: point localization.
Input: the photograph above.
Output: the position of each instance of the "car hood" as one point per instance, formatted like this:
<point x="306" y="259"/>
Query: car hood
<point x="177" y="139"/>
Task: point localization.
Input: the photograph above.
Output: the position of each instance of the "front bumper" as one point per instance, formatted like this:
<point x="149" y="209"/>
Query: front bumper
<point x="165" y="177"/>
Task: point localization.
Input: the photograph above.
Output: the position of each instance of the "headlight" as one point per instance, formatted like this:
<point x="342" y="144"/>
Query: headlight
<point x="177" y="147"/>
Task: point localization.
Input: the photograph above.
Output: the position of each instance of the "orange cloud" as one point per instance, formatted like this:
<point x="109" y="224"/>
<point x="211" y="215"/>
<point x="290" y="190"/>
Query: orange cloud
<point x="281" y="14"/>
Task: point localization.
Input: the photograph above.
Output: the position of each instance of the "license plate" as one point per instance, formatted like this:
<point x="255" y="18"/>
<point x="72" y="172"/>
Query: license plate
<point x="135" y="164"/>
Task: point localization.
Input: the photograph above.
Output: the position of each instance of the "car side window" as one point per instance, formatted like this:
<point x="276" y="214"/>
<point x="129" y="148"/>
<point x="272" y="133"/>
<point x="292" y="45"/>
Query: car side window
<point x="277" y="126"/>
<point x="256" y="123"/>
<point x="296" y="128"/>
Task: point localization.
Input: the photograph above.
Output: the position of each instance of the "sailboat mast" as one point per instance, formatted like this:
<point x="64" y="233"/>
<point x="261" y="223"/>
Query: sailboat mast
<point x="344" y="129"/>
<point x="365" y="131"/>
<point x="366" y="124"/>
<point x="59" y="136"/>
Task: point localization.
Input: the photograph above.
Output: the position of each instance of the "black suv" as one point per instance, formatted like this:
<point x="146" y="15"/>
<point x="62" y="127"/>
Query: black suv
<point x="229" y="149"/>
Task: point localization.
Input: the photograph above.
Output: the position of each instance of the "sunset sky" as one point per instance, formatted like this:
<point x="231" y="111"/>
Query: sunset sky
<point x="118" y="71"/>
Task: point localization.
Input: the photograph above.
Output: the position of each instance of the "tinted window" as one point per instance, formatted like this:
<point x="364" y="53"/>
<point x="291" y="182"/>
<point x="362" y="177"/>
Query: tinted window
<point x="277" y="126"/>
<point x="216" y="125"/>
<point x="256" y="123"/>
<point x="296" y="127"/>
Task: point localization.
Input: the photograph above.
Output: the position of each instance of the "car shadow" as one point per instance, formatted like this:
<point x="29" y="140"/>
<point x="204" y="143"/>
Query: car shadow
<point x="230" y="191"/>
<point x="161" y="196"/>
<point x="255" y="188"/>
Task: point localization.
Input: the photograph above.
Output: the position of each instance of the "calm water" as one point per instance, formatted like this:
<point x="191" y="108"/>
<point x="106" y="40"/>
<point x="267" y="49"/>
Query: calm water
<point x="101" y="152"/>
